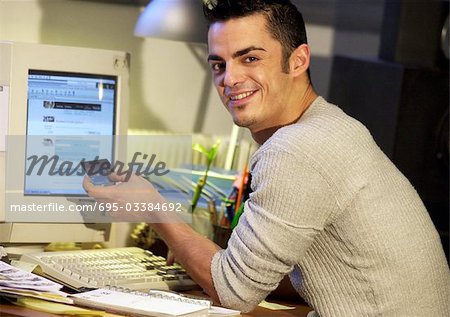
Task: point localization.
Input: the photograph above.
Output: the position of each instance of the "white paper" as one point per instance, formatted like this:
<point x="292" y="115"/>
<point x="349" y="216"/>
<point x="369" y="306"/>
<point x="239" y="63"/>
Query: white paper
<point x="13" y="277"/>
<point x="4" y="99"/>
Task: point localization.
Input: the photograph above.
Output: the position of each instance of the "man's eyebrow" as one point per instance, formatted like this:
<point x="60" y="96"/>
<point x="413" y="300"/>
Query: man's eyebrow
<point x="213" y="57"/>
<point x="242" y="52"/>
<point x="247" y="50"/>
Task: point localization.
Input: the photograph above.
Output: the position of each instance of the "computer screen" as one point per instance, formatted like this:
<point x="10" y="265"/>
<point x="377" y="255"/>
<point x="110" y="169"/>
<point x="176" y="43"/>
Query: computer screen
<point x="59" y="105"/>
<point x="63" y="108"/>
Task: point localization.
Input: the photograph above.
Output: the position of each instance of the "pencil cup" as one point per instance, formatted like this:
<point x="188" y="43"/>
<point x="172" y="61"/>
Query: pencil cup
<point x="201" y="222"/>
<point x="221" y="236"/>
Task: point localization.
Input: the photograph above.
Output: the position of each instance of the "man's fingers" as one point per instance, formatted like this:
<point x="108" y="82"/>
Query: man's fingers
<point x="87" y="184"/>
<point x="97" y="192"/>
<point x="170" y="258"/>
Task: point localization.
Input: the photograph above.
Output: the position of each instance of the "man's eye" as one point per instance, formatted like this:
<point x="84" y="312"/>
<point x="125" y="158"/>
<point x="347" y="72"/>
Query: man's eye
<point x="217" y="66"/>
<point x="251" y="59"/>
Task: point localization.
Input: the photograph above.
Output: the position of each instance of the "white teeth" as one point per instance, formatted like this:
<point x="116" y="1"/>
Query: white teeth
<point x="241" y="96"/>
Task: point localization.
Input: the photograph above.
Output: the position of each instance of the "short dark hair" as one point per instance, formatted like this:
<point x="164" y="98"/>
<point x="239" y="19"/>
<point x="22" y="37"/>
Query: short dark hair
<point x="283" y="20"/>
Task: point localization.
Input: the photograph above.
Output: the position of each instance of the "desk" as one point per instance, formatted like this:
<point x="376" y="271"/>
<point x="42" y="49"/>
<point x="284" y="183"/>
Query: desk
<point x="301" y="310"/>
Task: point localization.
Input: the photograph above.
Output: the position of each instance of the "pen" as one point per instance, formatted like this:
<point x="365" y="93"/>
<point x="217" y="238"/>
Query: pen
<point x="212" y="211"/>
<point x="230" y="212"/>
<point x="236" y="217"/>
<point x="241" y="187"/>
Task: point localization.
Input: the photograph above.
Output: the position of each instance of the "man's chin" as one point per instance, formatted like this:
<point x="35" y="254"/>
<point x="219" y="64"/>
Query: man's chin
<point x="243" y="123"/>
<point x="241" y="117"/>
<point x="239" y="123"/>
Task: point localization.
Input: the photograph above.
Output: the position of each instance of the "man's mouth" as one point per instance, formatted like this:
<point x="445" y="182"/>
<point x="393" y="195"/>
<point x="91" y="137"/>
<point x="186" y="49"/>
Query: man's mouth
<point x="241" y="96"/>
<point x="240" y="99"/>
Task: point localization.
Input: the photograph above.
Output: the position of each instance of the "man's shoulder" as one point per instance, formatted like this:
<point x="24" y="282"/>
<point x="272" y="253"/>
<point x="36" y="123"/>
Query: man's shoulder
<point x="325" y="117"/>
<point x="322" y="124"/>
<point x="323" y="134"/>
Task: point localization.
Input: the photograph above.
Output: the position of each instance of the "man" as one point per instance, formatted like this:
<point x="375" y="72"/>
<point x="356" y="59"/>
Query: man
<point x="327" y="207"/>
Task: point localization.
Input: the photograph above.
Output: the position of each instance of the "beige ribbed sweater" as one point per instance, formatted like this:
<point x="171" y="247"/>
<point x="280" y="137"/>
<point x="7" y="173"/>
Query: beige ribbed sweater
<point x="329" y="208"/>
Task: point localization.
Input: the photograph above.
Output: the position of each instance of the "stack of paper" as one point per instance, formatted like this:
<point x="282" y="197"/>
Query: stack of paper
<point x="14" y="281"/>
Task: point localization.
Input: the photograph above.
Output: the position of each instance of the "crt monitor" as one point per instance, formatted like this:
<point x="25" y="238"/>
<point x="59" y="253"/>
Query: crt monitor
<point x="61" y="104"/>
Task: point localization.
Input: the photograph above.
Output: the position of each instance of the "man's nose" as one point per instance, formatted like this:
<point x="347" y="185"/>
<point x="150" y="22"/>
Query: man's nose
<point x="233" y="75"/>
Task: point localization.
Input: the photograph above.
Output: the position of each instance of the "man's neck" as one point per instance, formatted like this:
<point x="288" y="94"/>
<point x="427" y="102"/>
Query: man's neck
<point x="309" y="96"/>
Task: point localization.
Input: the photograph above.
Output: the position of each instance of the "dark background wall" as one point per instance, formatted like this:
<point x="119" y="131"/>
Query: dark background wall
<point x="402" y="96"/>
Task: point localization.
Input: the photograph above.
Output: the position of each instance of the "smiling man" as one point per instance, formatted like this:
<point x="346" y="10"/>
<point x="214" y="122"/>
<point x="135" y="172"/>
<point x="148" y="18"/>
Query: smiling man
<point x="328" y="208"/>
<point x="262" y="86"/>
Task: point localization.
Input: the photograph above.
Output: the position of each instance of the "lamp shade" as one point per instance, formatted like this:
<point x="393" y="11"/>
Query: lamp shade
<point x="177" y="20"/>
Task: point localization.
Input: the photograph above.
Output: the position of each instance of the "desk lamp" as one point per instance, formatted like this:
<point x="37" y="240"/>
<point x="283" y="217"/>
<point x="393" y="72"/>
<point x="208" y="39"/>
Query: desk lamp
<point x="177" y="20"/>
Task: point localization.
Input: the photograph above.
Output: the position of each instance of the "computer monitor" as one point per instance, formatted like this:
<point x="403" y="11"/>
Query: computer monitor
<point x="60" y="104"/>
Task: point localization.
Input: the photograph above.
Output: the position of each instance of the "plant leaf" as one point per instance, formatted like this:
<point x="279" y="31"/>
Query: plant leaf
<point x="213" y="151"/>
<point x="200" y="148"/>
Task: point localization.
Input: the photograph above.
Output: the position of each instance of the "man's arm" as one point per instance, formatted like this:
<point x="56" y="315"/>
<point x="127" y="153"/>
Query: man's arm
<point x="192" y="251"/>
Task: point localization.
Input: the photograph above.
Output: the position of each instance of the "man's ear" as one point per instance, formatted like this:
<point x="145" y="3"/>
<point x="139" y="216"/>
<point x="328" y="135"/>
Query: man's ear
<point x="300" y="59"/>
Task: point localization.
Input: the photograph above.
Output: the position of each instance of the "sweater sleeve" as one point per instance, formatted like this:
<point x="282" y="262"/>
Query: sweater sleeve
<point x="289" y="206"/>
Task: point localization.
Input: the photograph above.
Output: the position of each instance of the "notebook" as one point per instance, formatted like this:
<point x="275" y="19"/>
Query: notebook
<point x="154" y="303"/>
<point x="57" y="308"/>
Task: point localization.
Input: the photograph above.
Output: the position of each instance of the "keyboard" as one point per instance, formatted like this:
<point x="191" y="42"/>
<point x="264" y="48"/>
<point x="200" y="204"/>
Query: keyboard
<point x="131" y="268"/>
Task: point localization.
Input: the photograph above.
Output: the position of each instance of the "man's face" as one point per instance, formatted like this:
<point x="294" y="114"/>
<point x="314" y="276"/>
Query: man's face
<point x="246" y="63"/>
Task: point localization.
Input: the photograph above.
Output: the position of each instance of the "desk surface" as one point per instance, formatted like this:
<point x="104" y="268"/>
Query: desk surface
<point x="301" y="310"/>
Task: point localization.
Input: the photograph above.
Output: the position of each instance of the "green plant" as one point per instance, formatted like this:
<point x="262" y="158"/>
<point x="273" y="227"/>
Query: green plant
<point x="210" y="156"/>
